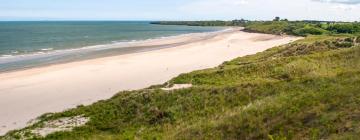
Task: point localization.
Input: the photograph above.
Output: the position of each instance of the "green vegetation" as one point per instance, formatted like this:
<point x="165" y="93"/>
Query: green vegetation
<point x="308" y="89"/>
<point x="308" y="30"/>
<point x="280" y="26"/>
<point x="300" y="28"/>
<point x="349" y="28"/>
<point x="241" y="22"/>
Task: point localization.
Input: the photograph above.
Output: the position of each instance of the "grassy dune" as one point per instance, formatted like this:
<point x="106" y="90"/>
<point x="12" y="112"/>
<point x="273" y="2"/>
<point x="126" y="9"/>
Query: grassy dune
<point x="308" y="89"/>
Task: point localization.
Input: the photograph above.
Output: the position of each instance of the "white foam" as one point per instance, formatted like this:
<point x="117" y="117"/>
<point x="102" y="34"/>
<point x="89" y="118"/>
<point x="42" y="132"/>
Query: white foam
<point x="6" y="55"/>
<point x="47" y="49"/>
<point x="46" y="52"/>
<point x="14" y="52"/>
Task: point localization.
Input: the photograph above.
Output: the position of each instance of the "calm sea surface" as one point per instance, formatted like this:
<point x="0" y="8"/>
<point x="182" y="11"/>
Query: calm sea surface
<point x="34" y="43"/>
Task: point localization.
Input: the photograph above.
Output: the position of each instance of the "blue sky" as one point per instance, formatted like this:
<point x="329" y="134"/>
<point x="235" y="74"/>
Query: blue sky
<point x="346" y="10"/>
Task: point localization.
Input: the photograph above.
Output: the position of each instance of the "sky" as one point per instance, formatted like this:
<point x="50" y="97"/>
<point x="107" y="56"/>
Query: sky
<point x="339" y="10"/>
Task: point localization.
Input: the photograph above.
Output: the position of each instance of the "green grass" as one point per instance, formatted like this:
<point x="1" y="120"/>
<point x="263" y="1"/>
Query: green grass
<point x="300" y="28"/>
<point x="270" y="27"/>
<point x="308" y="89"/>
<point x="285" y="27"/>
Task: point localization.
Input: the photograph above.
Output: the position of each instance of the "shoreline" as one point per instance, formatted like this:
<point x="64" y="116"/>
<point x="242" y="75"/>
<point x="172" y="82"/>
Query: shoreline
<point x="27" y="94"/>
<point x="106" y="50"/>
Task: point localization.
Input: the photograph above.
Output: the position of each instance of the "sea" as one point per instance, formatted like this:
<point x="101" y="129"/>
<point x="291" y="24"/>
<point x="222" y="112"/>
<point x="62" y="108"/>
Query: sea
<point x="27" y="44"/>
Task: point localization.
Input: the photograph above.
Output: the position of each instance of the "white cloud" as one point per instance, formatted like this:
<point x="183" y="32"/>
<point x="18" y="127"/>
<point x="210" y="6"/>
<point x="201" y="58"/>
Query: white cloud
<point x="185" y="9"/>
<point x="242" y="2"/>
<point x="342" y="7"/>
<point x="340" y="1"/>
<point x="268" y="9"/>
<point x="218" y="5"/>
<point x="215" y="9"/>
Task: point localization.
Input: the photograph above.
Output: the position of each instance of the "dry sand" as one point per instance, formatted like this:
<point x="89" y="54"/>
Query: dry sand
<point x="26" y="94"/>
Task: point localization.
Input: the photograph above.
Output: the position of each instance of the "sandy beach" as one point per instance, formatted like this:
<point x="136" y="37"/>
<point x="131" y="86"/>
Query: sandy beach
<point x="27" y="94"/>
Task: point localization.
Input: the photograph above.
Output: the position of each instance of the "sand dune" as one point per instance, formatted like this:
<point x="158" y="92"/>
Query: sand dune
<point x="26" y="94"/>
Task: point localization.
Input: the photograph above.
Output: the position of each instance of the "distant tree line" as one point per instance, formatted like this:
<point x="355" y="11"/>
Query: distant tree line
<point x="280" y="26"/>
<point x="240" y="22"/>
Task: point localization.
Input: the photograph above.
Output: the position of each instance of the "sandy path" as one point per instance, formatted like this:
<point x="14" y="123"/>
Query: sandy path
<point x="24" y="95"/>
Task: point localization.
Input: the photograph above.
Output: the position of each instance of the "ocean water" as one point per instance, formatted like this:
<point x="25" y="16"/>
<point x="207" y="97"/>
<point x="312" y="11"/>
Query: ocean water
<point x="25" y="44"/>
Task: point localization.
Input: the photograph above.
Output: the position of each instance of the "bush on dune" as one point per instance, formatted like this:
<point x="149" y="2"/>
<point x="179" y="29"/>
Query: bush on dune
<point x="345" y="28"/>
<point x="302" y="28"/>
<point x="277" y="27"/>
<point x="308" y="30"/>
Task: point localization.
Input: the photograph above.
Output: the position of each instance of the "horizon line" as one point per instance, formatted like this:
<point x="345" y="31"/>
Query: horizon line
<point x="109" y="20"/>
